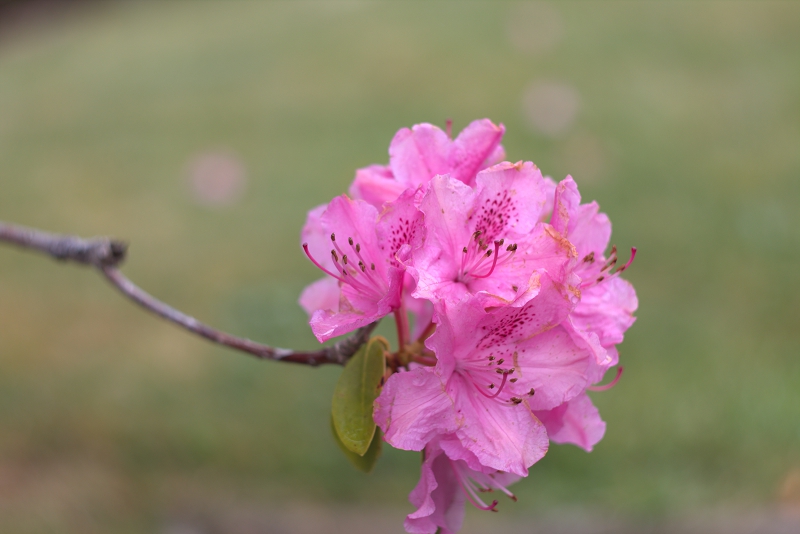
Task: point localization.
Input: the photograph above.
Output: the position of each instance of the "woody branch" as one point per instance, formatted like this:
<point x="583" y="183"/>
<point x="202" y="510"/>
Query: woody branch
<point x="106" y="254"/>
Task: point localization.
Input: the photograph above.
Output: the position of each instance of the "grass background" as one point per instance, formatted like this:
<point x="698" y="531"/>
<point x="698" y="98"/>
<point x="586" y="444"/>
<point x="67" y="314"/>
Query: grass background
<point x="687" y="133"/>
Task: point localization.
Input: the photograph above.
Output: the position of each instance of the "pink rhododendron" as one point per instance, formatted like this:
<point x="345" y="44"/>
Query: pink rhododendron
<point x="487" y="239"/>
<point x="492" y="369"/>
<point x="419" y="153"/>
<point x="517" y="309"/>
<point x="363" y="262"/>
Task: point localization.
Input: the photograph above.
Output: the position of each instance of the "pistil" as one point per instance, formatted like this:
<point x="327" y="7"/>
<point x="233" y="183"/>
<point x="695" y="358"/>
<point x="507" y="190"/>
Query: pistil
<point x="476" y="254"/>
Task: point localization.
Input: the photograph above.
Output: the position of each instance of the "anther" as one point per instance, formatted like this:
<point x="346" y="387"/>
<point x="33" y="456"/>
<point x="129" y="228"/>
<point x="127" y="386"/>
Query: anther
<point x="344" y="259"/>
<point x="372" y="266"/>
<point x="513" y="380"/>
<point x="516" y="400"/>
<point x="532" y="392"/>
<point x="358" y="247"/>
<point x="491" y="386"/>
<point x="333" y="237"/>
<point x="464" y="250"/>
<point x="350" y="241"/>
<point x="334" y="256"/>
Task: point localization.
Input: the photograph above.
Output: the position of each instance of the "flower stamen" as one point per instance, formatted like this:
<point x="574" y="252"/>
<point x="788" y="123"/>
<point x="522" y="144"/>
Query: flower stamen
<point x="610" y="385"/>
<point x="477" y="253"/>
<point x="605" y="272"/>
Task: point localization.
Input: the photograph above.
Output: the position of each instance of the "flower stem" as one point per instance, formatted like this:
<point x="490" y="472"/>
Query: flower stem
<point x="427" y="332"/>
<point x="401" y="320"/>
<point x="106" y="254"/>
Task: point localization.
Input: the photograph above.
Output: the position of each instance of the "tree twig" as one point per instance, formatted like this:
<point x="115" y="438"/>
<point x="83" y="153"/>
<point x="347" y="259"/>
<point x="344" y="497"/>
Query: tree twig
<point x="106" y="254"/>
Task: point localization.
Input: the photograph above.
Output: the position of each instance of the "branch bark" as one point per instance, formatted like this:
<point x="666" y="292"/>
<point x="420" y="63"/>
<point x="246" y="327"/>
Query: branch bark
<point x="107" y="254"/>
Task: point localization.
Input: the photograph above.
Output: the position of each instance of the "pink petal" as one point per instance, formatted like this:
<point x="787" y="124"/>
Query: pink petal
<point x="376" y="184"/>
<point x="413" y="408"/>
<point x="576" y="421"/>
<point x="550" y="193"/>
<point x="354" y="219"/>
<point x="437" y="496"/>
<point x="590" y="231"/>
<point x="317" y="237"/>
<point x="566" y="202"/>
<point x="321" y="295"/>
<point x="353" y="311"/>
<point x="475" y="145"/>
<point x="607" y="310"/>
<point x="498" y="155"/>
<point x="541" y="250"/>
<point x="374" y="282"/>
<point x="400" y="223"/>
<point x="548" y="250"/>
<point x="509" y="200"/>
<point x="554" y="366"/>
<point x="502" y="437"/>
<point x="582" y="224"/>
<point x="446" y="205"/>
<point x="418" y="154"/>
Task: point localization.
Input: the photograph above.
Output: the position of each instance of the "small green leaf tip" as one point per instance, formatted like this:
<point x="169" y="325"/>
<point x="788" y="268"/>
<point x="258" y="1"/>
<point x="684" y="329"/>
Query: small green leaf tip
<point x="364" y="463"/>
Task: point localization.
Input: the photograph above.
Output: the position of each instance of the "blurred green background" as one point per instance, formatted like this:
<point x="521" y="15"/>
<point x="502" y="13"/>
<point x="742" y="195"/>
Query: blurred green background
<point x="202" y="133"/>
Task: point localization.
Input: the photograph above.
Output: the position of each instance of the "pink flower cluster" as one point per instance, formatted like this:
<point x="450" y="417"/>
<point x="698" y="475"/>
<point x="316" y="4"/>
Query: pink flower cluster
<point x="516" y="308"/>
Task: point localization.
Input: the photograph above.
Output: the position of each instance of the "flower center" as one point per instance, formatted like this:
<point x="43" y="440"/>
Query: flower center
<point x="479" y="259"/>
<point x="500" y="378"/>
<point x="356" y="271"/>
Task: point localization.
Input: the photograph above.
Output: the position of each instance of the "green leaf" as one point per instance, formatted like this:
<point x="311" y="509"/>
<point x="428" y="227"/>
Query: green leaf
<point x="363" y="463"/>
<point x="355" y="394"/>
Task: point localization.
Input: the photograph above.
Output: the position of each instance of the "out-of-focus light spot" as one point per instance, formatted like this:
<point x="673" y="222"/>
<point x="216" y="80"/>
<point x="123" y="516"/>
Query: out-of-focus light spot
<point x="584" y="157"/>
<point x="534" y="28"/>
<point x="217" y="178"/>
<point x="550" y="107"/>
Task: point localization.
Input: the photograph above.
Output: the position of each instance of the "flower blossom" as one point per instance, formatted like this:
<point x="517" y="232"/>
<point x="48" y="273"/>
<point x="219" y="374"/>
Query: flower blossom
<point x="360" y="251"/>
<point x="518" y="310"/>
<point x="487" y="239"/>
<point x="492" y="369"/>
